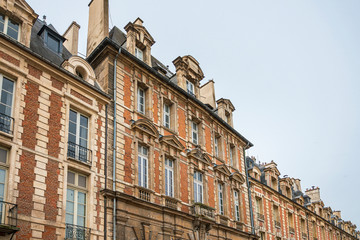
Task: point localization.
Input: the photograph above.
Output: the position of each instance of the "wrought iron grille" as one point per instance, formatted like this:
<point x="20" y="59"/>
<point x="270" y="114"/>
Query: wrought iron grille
<point x="6" y="123"/>
<point x="8" y="214"/>
<point x="77" y="232"/>
<point x="79" y="153"/>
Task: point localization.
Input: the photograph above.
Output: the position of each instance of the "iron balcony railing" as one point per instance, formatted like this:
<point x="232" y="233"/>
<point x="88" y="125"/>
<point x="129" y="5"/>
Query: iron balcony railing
<point x="79" y="153"/>
<point x="277" y="224"/>
<point x="303" y="235"/>
<point x="261" y="217"/>
<point x="6" y="123"/>
<point x="77" y="232"/>
<point x="291" y="230"/>
<point x="8" y="214"/>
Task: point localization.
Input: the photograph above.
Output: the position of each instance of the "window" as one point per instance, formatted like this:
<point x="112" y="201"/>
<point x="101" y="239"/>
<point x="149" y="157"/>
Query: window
<point x="237" y="205"/>
<point x="139" y="53"/>
<point x="3" y="159"/>
<point x="6" y="102"/>
<point x="221" y="199"/>
<point x="78" y="137"/>
<point x="302" y="225"/>
<point x="141" y="100"/>
<point x="169" y="177"/>
<point x="76" y="199"/>
<point x="143" y="166"/>
<point x="259" y="206"/>
<point x="167" y="115"/>
<point x="216" y="145"/>
<point x="190" y="87"/>
<point x="9" y="27"/>
<point x="262" y="236"/>
<point x="53" y="43"/>
<point x="231" y="155"/>
<point x="276" y="213"/>
<point x="274" y="183"/>
<point x="194" y="132"/>
<point x="198" y="187"/>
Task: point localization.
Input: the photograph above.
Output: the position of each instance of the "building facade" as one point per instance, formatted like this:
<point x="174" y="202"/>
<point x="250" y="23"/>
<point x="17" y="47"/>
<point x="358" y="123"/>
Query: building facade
<point x="116" y="146"/>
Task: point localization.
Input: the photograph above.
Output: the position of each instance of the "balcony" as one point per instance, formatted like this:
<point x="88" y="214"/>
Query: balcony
<point x="202" y="210"/>
<point x="77" y="232"/>
<point x="145" y="194"/>
<point x="6" y="124"/>
<point x="303" y="235"/>
<point x="8" y="218"/>
<point x="291" y="230"/>
<point x="277" y="224"/>
<point x="79" y="153"/>
<point x="171" y="202"/>
<point x="260" y="217"/>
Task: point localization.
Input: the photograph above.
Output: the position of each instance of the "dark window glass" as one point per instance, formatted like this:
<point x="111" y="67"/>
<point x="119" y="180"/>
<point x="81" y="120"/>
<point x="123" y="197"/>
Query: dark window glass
<point x="53" y="43"/>
<point x="2" y="23"/>
<point x="13" y="29"/>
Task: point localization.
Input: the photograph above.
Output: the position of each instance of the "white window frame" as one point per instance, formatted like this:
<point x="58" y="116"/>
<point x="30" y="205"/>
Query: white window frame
<point x="77" y="189"/>
<point x="6" y="24"/>
<point x="143" y="166"/>
<point x="237" y="205"/>
<point x="167" y="115"/>
<point x="77" y="123"/>
<point x="198" y="187"/>
<point x="13" y="92"/>
<point x="194" y="132"/>
<point x="3" y="166"/>
<point x="216" y="146"/>
<point x="169" y="177"/>
<point x="141" y="96"/>
<point x="221" y="198"/>
<point x="190" y="87"/>
<point x="139" y="53"/>
<point x="231" y="155"/>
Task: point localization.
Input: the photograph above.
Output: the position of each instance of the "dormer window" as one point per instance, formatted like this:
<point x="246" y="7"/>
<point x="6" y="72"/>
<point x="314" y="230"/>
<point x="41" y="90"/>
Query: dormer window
<point x="139" y="53"/>
<point x="51" y="38"/>
<point x="9" y="27"/>
<point x="190" y="87"/>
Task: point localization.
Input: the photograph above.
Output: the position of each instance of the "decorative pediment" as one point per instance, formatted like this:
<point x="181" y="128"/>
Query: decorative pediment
<point x="236" y="176"/>
<point x="142" y="35"/>
<point x="173" y="141"/>
<point x="222" y="169"/>
<point x="198" y="154"/>
<point x="146" y="126"/>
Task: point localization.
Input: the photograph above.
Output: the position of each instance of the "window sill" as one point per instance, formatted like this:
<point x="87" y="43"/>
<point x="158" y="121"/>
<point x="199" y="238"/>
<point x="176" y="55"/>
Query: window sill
<point x="7" y="135"/>
<point x="78" y="163"/>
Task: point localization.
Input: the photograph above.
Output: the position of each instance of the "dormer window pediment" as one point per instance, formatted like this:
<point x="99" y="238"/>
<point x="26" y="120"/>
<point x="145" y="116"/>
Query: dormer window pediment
<point x="173" y="141"/>
<point x="198" y="155"/>
<point x="146" y="126"/>
<point x="222" y="169"/>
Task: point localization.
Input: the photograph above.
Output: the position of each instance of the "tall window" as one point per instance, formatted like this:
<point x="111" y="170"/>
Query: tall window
<point x="259" y="206"/>
<point x="76" y="199"/>
<point x="139" y="53"/>
<point x="216" y="145"/>
<point x="6" y="103"/>
<point x="190" y="87"/>
<point x="221" y="198"/>
<point x="169" y="177"/>
<point x="314" y="230"/>
<point x="78" y="137"/>
<point x="9" y="27"/>
<point x="302" y="225"/>
<point x="237" y="205"/>
<point x="198" y="187"/>
<point x="141" y="100"/>
<point x="143" y="164"/>
<point x="194" y="132"/>
<point x="231" y="154"/>
<point x="53" y="43"/>
<point x="276" y="215"/>
<point x="3" y="160"/>
<point x="166" y="115"/>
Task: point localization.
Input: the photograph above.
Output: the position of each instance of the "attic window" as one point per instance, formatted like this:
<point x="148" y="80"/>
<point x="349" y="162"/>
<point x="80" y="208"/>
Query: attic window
<point x="9" y="27"/>
<point x="139" y="53"/>
<point x="81" y="73"/>
<point x="53" y="43"/>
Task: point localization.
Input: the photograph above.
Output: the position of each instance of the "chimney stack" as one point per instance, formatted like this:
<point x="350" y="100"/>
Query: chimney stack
<point x="72" y="38"/>
<point x="98" y="27"/>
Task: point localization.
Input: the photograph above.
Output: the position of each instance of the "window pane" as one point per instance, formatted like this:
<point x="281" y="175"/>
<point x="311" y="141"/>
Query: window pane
<point x="69" y="218"/>
<point x="8" y="85"/>
<point x="3" y="155"/>
<point x="6" y="98"/>
<point x="83" y="121"/>
<point x="73" y="115"/>
<point x="83" y="132"/>
<point x="53" y="43"/>
<point x="82" y="181"/>
<point x="81" y="198"/>
<point x="71" y="178"/>
<point x="2" y="22"/>
<point x="81" y="221"/>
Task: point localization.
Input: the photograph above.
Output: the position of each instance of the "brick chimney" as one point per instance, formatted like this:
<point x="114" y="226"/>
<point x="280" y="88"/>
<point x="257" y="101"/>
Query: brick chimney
<point x="72" y="38"/>
<point x="314" y="194"/>
<point x="98" y="27"/>
<point x="207" y="94"/>
<point x="337" y="213"/>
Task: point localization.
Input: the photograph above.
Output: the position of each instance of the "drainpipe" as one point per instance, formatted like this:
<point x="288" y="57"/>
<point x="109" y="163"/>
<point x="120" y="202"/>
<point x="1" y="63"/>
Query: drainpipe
<point x="105" y="198"/>
<point x="114" y="146"/>
<point x="249" y="192"/>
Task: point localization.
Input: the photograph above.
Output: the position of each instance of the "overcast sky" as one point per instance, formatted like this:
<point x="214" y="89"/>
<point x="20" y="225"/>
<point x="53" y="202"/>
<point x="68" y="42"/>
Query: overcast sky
<point x="291" y="69"/>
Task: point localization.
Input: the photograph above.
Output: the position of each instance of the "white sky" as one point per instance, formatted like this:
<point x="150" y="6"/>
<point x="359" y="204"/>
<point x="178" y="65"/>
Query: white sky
<point x="291" y="69"/>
